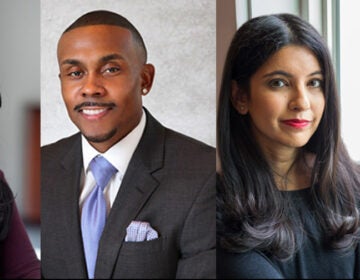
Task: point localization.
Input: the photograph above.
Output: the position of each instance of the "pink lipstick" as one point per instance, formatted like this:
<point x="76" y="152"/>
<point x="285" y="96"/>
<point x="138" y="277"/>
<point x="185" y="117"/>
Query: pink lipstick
<point x="297" y="123"/>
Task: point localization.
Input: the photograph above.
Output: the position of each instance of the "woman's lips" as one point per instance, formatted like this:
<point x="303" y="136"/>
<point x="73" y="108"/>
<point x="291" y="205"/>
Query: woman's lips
<point x="297" y="123"/>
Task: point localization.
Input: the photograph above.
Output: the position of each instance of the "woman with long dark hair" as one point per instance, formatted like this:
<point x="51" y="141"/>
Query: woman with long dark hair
<point x="288" y="193"/>
<point x="17" y="256"/>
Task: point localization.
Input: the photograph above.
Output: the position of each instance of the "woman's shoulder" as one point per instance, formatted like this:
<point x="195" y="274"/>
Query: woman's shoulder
<point x="248" y="265"/>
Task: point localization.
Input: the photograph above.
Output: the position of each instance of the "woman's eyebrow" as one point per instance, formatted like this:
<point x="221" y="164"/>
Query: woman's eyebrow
<point x="278" y="72"/>
<point x="286" y="74"/>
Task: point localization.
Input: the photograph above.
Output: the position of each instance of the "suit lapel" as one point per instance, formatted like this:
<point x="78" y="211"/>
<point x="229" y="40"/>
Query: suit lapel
<point x="137" y="186"/>
<point x="71" y="166"/>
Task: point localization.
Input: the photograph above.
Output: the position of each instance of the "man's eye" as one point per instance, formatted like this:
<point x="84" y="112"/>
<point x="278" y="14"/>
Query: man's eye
<point x="112" y="70"/>
<point x="75" y="74"/>
<point x="278" y="83"/>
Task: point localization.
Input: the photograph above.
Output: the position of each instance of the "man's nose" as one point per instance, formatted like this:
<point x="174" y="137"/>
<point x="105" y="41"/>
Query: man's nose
<point x="92" y="85"/>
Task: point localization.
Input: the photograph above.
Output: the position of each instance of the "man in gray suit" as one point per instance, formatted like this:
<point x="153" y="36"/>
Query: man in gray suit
<point x="155" y="218"/>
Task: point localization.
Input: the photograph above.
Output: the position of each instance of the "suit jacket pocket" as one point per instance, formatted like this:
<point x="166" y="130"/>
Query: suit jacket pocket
<point x="154" y="259"/>
<point x="144" y="247"/>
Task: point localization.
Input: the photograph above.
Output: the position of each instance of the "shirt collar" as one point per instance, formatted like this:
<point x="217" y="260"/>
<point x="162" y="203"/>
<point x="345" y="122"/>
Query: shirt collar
<point x="118" y="155"/>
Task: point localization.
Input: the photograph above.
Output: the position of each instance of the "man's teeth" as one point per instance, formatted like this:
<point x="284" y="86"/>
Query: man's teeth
<point x="93" y="111"/>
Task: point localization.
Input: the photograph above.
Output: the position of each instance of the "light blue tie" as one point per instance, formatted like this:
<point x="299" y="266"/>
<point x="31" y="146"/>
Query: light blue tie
<point x="94" y="211"/>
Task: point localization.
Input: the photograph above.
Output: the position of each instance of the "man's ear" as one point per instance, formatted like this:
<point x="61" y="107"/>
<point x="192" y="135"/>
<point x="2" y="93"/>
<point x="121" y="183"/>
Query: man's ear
<point x="147" y="78"/>
<point x="239" y="98"/>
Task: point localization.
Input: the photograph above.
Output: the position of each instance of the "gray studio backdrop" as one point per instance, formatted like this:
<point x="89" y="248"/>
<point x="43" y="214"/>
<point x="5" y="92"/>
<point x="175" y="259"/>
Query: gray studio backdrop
<point x="19" y="87"/>
<point x="180" y="38"/>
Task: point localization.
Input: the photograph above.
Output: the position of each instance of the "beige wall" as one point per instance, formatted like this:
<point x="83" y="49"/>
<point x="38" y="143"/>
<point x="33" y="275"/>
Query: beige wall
<point x="225" y="30"/>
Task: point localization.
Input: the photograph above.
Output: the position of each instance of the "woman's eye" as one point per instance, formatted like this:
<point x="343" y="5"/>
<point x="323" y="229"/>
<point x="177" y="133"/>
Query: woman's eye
<point x="278" y="83"/>
<point x="316" y="83"/>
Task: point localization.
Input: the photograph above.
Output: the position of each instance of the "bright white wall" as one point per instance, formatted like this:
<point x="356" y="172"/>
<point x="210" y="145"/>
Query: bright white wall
<point x="253" y="8"/>
<point x="262" y="7"/>
<point x="180" y="38"/>
<point x="349" y="73"/>
<point x="19" y="85"/>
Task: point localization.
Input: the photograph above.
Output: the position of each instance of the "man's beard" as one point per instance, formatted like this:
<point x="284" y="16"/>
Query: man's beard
<point x="100" y="138"/>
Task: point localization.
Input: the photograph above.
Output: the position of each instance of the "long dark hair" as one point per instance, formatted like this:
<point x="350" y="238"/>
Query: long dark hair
<point x="251" y="212"/>
<point x="6" y="201"/>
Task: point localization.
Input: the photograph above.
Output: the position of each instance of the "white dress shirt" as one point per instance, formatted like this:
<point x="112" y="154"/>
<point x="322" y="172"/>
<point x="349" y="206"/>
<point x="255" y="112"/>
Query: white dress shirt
<point x="118" y="155"/>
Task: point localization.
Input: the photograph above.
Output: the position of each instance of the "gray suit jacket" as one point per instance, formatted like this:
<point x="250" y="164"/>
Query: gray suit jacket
<point x="170" y="183"/>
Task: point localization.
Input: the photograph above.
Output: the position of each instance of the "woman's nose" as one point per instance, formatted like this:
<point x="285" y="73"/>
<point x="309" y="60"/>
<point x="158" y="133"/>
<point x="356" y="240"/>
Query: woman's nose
<point x="300" y="99"/>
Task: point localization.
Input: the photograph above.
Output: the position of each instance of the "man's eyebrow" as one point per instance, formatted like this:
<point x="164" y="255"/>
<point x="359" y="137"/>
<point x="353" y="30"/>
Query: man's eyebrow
<point x="103" y="59"/>
<point x="113" y="56"/>
<point x="70" y="61"/>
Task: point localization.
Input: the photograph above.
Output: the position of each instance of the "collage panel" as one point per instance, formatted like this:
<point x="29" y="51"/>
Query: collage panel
<point x="288" y="178"/>
<point x="20" y="139"/>
<point x="128" y="139"/>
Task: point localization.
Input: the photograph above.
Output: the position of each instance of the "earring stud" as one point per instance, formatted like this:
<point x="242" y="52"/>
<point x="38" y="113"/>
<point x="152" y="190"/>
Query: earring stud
<point x="144" y="91"/>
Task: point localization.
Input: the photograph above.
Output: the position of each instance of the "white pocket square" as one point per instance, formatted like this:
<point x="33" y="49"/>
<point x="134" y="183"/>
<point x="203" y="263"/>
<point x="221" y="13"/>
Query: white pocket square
<point x="139" y="231"/>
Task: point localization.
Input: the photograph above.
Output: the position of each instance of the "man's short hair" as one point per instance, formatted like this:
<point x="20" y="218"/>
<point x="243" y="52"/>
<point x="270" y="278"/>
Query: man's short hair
<point x="109" y="18"/>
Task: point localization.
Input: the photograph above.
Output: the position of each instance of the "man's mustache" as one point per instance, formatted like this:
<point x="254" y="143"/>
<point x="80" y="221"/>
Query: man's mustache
<point x="93" y="104"/>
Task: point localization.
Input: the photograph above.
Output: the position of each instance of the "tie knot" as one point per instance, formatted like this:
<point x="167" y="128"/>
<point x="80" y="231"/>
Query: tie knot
<point x="102" y="170"/>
